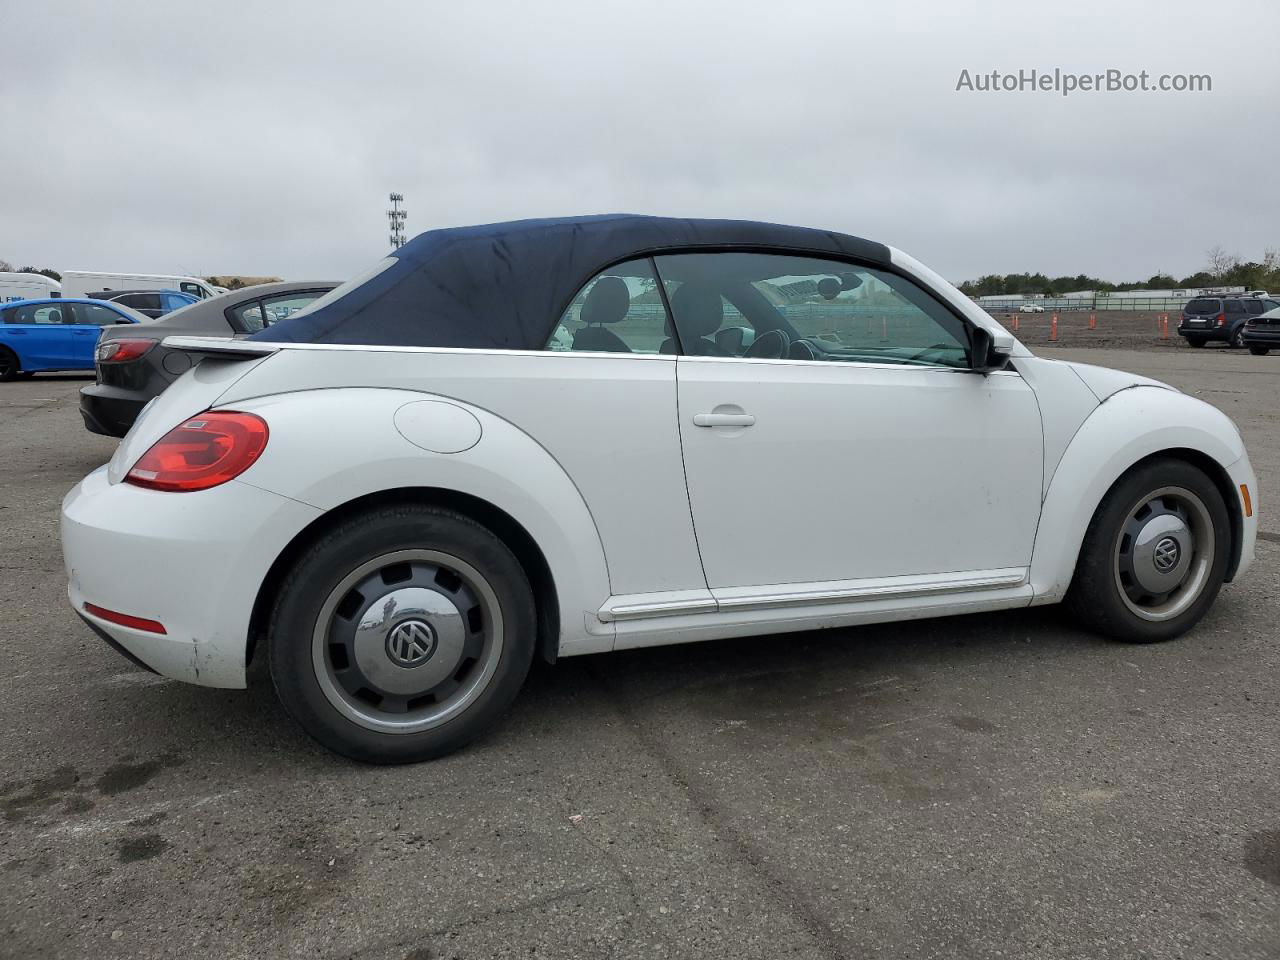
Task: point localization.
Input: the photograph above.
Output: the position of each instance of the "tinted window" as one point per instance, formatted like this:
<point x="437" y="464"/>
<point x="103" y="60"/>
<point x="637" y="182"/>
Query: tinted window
<point x="140" y="301"/>
<point x="194" y="289"/>
<point x="252" y="317"/>
<point x="1234" y="307"/>
<point x="769" y="306"/>
<point x="1203" y="305"/>
<point x="1253" y="307"/>
<point x="37" y="313"/>
<point x="91" y="313"/>
<point x="618" y="311"/>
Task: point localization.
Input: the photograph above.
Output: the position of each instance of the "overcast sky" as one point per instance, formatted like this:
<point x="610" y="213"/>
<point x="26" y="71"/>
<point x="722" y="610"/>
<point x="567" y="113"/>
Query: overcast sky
<point x="262" y="138"/>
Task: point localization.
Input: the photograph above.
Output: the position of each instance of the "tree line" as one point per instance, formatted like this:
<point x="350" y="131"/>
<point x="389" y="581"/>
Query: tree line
<point x="1221" y="270"/>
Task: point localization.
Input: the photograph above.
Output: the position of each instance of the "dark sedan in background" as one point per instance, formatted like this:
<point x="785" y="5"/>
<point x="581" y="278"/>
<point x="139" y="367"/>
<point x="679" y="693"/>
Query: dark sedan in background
<point x="1262" y="333"/>
<point x="149" y="303"/>
<point x="133" y="365"/>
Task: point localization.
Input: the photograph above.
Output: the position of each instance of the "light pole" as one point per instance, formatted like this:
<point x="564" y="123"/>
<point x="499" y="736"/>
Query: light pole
<point x="396" y="216"/>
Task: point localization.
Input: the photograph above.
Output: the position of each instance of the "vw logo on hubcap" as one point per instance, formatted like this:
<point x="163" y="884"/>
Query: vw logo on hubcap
<point x="411" y="643"/>
<point x="1166" y="554"/>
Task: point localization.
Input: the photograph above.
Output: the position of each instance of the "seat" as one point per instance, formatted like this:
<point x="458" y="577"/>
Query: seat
<point x="607" y="302"/>
<point x="701" y="311"/>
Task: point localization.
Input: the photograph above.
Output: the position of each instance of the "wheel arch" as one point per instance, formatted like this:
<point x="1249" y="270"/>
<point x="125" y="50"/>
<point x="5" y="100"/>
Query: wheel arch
<point x="493" y="518"/>
<point x="1106" y="448"/>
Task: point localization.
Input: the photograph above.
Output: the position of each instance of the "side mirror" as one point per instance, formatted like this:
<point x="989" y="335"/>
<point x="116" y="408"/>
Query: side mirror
<point x="987" y="351"/>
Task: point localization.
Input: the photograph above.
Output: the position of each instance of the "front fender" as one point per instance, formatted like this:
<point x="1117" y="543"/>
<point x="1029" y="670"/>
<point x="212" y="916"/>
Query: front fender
<point x="1129" y="426"/>
<point x="332" y="446"/>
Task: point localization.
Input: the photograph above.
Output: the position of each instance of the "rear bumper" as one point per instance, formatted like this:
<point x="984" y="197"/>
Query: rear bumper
<point x="1207" y="332"/>
<point x="193" y="562"/>
<point x="109" y="410"/>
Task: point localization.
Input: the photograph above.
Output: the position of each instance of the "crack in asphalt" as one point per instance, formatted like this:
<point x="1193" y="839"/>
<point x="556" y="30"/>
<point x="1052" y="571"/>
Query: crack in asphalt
<point x="711" y="811"/>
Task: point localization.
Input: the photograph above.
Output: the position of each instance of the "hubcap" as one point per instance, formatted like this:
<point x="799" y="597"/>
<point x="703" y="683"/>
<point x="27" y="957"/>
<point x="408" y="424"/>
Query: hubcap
<point x="1164" y="552"/>
<point x="407" y="640"/>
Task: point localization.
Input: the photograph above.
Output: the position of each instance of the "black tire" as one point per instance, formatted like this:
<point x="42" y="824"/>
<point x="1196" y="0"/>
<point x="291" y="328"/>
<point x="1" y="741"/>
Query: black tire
<point x="1259" y="351"/>
<point x="1097" y="596"/>
<point x="1195" y="342"/>
<point x="1237" y="338"/>
<point x="298" y="644"/>
<point x="9" y="367"/>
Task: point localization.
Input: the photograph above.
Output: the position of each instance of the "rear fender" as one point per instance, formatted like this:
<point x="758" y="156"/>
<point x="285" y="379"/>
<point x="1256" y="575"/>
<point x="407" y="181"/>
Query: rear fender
<point x="331" y="447"/>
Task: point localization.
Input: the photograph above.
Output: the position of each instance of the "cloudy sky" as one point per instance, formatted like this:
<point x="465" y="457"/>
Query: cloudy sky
<point x="263" y="138"/>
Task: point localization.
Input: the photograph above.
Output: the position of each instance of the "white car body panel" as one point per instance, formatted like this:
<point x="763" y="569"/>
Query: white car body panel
<point x="927" y="491"/>
<point x="854" y="470"/>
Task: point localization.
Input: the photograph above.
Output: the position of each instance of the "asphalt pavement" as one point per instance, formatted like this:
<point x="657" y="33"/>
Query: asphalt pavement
<point x="985" y="786"/>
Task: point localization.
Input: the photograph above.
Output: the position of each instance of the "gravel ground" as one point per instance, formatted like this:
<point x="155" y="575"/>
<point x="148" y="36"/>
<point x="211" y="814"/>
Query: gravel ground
<point x="987" y="786"/>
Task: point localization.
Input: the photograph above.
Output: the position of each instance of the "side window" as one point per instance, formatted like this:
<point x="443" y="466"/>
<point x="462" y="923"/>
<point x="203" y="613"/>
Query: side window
<point x="1253" y="307"/>
<point x="276" y="309"/>
<point x="1234" y="308"/>
<point x="248" y="317"/>
<point x="174" y="302"/>
<point x="141" y="301"/>
<point x="91" y="313"/>
<point x="618" y="311"/>
<point x="43" y="313"/>
<point x="197" y="291"/>
<point x="774" y="306"/>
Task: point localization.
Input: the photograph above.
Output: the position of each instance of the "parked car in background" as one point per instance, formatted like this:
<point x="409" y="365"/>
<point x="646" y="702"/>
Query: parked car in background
<point x="85" y="283"/>
<point x="55" y="333"/>
<point x="27" y="286"/>
<point x="1262" y="333"/>
<point x="133" y="365"/>
<point x="530" y="438"/>
<point x="151" y="303"/>
<point x="1031" y="308"/>
<point x="1220" y="318"/>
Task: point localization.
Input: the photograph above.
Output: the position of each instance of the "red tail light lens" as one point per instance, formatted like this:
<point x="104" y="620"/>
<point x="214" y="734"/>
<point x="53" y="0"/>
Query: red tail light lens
<point x="1222" y="319"/>
<point x="122" y="351"/>
<point x="203" y="452"/>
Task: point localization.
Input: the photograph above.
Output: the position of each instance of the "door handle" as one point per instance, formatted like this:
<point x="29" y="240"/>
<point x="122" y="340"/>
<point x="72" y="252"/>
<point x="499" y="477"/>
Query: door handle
<point x="723" y="419"/>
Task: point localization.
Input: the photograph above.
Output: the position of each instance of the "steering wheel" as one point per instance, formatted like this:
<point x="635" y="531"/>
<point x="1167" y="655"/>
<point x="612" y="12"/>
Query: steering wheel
<point x="770" y="345"/>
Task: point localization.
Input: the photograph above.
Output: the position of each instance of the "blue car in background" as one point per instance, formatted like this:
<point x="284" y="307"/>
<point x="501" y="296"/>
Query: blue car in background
<point x="60" y="333"/>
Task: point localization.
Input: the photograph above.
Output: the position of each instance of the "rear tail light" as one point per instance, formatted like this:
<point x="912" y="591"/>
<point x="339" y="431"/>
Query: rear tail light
<point x="122" y="351"/>
<point x="203" y="452"/>
<point x="1222" y="319"/>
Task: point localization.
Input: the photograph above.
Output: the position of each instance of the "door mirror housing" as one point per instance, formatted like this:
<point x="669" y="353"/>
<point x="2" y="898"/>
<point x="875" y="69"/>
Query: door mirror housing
<point x="988" y="351"/>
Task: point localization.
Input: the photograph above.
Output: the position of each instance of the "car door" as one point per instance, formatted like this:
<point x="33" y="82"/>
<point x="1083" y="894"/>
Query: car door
<point x="84" y="329"/>
<point x="862" y="448"/>
<point x="38" y="336"/>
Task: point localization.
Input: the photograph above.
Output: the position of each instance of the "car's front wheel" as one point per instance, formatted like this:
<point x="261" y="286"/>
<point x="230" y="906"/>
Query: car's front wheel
<point x="1155" y="554"/>
<point x="402" y="634"/>
<point x="1259" y="351"/>
<point x="1237" y="338"/>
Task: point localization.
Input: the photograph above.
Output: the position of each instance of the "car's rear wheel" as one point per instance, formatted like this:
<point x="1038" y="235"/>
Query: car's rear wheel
<point x="402" y="634"/>
<point x="9" y="366"/>
<point x="1259" y="351"/>
<point x="1155" y="554"/>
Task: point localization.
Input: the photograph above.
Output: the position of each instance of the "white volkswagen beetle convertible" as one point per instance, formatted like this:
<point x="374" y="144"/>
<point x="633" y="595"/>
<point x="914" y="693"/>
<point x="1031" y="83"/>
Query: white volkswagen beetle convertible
<point x="559" y="437"/>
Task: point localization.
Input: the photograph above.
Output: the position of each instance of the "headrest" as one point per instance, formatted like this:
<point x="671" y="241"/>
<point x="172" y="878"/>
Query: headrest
<point x="55" y="316"/>
<point x="607" y="302"/>
<point x="699" y="309"/>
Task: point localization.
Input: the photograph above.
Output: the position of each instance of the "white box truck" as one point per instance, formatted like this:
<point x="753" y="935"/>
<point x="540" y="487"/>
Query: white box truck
<point x="27" y="286"/>
<point x="84" y="283"/>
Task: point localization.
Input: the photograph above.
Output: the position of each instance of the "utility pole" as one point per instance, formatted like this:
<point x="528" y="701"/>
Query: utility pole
<point x="396" y="216"/>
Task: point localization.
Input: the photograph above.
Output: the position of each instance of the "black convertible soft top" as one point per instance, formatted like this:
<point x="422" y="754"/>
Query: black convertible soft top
<point x="504" y="285"/>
